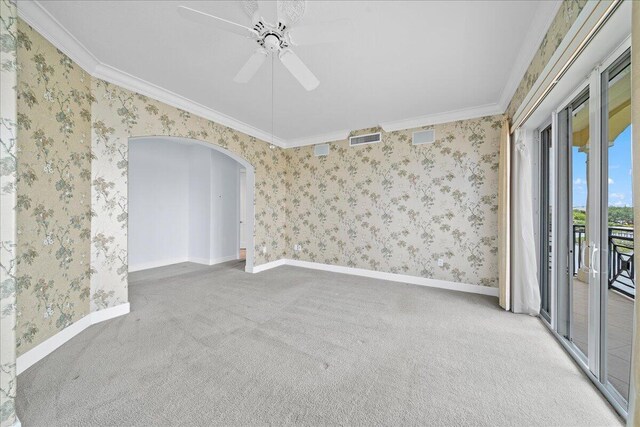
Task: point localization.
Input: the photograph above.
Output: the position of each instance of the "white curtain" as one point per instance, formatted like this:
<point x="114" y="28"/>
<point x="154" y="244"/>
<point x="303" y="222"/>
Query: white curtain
<point x="525" y="291"/>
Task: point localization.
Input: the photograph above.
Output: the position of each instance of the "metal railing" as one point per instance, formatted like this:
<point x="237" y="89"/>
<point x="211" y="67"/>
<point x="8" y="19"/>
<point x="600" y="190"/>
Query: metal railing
<point x="620" y="260"/>
<point x="621" y="265"/>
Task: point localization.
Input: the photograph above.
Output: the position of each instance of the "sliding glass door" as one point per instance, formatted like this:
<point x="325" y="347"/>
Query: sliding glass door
<point x="618" y="287"/>
<point x="578" y="276"/>
<point x="586" y="227"/>
<point x="579" y="222"/>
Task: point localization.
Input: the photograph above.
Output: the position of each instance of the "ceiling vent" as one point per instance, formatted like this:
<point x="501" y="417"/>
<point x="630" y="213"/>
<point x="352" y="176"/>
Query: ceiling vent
<point x="424" y="137"/>
<point x="372" y="138"/>
<point x="321" y="150"/>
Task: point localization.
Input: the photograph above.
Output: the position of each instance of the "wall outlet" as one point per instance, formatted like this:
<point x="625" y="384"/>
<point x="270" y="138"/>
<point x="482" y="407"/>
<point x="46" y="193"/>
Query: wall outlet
<point x="440" y="262"/>
<point x="264" y="249"/>
<point x="297" y="248"/>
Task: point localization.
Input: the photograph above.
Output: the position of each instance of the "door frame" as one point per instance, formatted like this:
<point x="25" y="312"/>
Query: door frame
<point x="543" y="183"/>
<point x="242" y="228"/>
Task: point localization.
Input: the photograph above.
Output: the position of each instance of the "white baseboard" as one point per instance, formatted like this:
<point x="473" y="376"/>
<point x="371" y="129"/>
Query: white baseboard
<point x="110" y="313"/>
<point x="392" y="277"/>
<point x="46" y="347"/>
<point x="268" y="266"/>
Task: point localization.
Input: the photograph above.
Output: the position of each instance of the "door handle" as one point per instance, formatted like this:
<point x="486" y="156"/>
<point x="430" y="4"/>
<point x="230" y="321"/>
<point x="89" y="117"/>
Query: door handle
<point x="593" y="259"/>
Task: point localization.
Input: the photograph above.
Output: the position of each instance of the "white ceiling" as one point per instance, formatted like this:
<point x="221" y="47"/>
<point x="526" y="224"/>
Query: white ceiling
<point x="402" y="64"/>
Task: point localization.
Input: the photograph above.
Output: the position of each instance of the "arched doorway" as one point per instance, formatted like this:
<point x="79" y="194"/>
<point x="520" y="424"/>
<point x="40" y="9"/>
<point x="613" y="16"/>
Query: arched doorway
<point x="191" y="189"/>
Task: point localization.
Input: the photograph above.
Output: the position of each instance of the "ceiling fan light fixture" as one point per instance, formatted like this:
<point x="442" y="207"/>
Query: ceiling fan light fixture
<point x="271" y="42"/>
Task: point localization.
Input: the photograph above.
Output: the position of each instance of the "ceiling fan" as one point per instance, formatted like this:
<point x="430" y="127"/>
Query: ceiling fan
<point x="272" y="38"/>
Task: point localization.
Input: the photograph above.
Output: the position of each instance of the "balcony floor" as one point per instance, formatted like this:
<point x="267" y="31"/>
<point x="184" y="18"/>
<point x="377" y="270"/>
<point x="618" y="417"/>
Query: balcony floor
<point x="619" y="333"/>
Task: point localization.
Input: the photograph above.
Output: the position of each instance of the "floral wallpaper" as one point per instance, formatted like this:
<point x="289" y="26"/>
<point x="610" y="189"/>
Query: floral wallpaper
<point x="400" y="214"/>
<point x="53" y="190"/>
<point x="72" y="190"/>
<point x="8" y="152"/>
<point x="390" y="206"/>
<point x="118" y="114"/>
<point x="72" y="186"/>
<point x="566" y="16"/>
<point x="398" y="208"/>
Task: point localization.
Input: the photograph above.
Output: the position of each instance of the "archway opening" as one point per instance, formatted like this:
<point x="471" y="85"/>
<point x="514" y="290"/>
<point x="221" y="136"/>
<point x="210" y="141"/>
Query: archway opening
<point x="188" y="201"/>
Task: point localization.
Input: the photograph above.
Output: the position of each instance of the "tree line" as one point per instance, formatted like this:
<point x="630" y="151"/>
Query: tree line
<point x="619" y="216"/>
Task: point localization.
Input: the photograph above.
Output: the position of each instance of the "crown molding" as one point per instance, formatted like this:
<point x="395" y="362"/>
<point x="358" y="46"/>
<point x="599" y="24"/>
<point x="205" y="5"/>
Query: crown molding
<point x="51" y="29"/>
<point x="405" y="124"/>
<point x="547" y="11"/>
<point x="448" y="116"/>
<point x="32" y="12"/>
<point x="132" y="83"/>
<point x="340" y="135"/>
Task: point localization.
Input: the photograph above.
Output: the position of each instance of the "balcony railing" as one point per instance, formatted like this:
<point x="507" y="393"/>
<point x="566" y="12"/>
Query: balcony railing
<point x="620" y="261"/>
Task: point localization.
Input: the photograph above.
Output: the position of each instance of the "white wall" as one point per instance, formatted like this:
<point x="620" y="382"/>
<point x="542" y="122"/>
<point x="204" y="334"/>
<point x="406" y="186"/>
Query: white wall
<point x="199" y="204"/>
<point x="183" y="204"/>
<point x="158" y="203"/>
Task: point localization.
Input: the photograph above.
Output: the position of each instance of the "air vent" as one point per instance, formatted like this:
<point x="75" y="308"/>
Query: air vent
<point x="371" y="138"/>
<point x="424" y="137"/>
<point x="321" y="150"/>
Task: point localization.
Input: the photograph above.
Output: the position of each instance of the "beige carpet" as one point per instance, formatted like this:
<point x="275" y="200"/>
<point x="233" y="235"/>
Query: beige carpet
<point x="215" y="345"/>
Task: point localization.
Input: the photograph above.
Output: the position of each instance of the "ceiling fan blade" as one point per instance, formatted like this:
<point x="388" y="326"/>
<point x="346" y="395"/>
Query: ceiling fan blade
<point x="300" y="71"/>
<point x="268" y="10"/>
<point x="290" y="12"/>
<point x="251" y="66"/>
<point x="251" y="9"/>
<point x="330" y="32"/>
<point x="214" y="21"/>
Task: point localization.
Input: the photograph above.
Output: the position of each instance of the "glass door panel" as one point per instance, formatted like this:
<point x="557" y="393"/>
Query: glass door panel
<point x="617" y="235"/>
<point x="579" y="220"/>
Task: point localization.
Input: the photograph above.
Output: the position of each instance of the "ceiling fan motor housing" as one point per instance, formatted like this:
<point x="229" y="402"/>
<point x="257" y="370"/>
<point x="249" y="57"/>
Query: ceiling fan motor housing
<point x="271" y="42"/>
<point x="271" y="38"/>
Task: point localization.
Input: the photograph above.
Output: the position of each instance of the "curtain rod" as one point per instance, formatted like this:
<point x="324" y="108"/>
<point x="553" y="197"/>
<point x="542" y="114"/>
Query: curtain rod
<point x="603" y="20"/>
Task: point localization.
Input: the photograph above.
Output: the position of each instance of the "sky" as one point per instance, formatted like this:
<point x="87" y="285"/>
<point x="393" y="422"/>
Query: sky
<point x="620" y="191"/>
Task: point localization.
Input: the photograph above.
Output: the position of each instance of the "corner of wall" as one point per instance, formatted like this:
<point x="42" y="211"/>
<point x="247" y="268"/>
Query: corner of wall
<point x="8" y="177"/>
